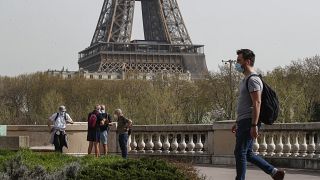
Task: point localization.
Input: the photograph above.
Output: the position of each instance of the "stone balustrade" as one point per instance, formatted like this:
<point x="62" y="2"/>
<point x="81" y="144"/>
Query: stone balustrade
<point x="288" y="145"/>
<point x="289" y="140"/>
<point x="170" y="139"/>
<point x="170" y="142"/>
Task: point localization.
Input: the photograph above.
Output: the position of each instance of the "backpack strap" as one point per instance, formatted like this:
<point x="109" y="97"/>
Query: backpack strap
<point x="56" y="116"/>
<point x="65" y="116"/>
<point x="247" y="81"/>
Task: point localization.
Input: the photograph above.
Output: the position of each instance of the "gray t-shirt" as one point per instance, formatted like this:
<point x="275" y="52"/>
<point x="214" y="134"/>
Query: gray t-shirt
<point x="244" y="108"/>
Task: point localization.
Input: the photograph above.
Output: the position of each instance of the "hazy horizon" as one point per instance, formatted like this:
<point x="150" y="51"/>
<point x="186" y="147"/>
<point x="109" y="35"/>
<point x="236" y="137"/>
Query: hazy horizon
<point x="37" y="35"/>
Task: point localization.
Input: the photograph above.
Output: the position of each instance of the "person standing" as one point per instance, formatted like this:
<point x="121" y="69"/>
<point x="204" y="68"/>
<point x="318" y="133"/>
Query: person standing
<point x="93" y="133"/>
<point x="58" y="131"/>
<point x="122" y="130"/>
<point x="104" y="128"/>
<point x="247" y="124"/>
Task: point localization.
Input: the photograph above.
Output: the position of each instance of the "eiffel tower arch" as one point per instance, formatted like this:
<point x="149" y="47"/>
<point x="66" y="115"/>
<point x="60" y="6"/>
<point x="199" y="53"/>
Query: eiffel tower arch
<point x="167" y="46"/>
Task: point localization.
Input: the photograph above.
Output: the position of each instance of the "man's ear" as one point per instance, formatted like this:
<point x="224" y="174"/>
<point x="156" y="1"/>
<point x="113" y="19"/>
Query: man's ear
<point x="248" y="62"/>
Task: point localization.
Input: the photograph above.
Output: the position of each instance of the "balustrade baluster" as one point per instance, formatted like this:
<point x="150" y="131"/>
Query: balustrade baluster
<point x="141" y="144"/>
<point x="158" y="144"/>
<point x="295" y="146"/>
<point x="303" y="146"/>
<point x="166" y="144"/>
<point x="149" y="144"/>
<point x="174" y="144"/>
<point x="271" y="146"/>
<point x="128" y="144"/>
<point x="182" y="144"/>
<point x="133" y="144"/>
<point x="263" y="145"/>
<point x="287" y="145"/>
<point x="190" y="144"/>
<point x="279" y="146"/>
<point x="311" y="148"/>
<point x="199" y="144"/>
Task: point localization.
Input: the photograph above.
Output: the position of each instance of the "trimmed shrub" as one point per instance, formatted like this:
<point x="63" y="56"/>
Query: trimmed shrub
<point x="26" y="164"/>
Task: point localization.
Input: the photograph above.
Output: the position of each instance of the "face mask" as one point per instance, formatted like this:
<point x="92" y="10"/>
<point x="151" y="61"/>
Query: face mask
<point x="239" y="68"/>
<point x="62" y="113"/>
<point x="103" y="111"/>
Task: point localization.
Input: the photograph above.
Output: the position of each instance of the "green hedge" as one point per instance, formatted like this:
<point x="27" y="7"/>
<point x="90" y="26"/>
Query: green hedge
<point x="25" y="164"/>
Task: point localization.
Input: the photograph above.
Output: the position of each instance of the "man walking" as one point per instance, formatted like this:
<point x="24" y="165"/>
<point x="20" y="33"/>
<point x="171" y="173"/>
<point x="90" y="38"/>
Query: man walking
<point x="58" y="133"/>
<point x="248" y="110"/>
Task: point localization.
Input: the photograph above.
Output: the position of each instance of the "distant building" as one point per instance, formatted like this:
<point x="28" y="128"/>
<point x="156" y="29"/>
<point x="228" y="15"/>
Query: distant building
<point x="66" y="74"/>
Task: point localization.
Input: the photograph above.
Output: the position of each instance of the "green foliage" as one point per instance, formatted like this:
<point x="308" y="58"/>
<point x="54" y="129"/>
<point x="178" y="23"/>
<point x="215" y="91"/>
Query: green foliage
<point x="298" y="88"/>
<point x="26" y="164"/>
<point x="130" y="169"/>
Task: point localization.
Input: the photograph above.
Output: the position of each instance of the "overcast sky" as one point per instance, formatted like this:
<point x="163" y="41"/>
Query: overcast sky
<point x="36" y="35"/>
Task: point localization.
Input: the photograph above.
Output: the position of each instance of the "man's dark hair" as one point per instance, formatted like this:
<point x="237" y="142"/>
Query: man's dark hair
<point x="247" y="54"/>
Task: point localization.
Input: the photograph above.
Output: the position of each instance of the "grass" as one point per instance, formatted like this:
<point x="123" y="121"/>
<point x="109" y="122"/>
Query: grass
<point x="26" y="163"/>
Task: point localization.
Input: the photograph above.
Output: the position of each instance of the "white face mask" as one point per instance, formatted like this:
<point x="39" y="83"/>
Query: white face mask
<point x="103" y="111"/>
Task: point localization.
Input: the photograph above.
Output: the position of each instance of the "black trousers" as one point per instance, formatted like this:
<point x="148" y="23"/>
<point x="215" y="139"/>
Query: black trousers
<point x="59" y="141"/>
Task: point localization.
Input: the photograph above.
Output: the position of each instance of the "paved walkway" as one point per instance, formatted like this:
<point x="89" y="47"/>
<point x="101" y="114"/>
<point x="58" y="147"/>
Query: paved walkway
<point x="228" y="173"/>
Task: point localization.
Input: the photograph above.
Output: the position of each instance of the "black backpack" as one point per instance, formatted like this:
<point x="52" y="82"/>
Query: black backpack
<point x="269" y="103"/>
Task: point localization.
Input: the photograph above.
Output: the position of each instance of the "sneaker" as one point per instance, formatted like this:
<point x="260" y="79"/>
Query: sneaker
<point x="279" y="175"/>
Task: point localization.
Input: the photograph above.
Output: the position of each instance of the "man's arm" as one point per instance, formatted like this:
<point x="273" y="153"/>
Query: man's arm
<point x="69" y="120"/>
<point x="109" y="119"/>
<point x="50" y="120"/>
<point x="256" y="104"/>
<point x="128" y="124"/>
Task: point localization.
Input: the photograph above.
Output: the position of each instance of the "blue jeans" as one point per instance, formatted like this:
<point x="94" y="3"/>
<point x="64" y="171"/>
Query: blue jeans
<point x="243" y="151"/>
<point x="123" y="140"/>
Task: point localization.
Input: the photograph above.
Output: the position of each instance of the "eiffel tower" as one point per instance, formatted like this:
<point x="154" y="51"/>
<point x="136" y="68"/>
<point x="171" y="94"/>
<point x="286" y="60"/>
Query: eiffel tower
<point x="167" y="46"/>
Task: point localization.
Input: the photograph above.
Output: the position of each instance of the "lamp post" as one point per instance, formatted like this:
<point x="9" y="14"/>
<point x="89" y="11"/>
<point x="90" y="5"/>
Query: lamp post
<point x="230" y="62"/>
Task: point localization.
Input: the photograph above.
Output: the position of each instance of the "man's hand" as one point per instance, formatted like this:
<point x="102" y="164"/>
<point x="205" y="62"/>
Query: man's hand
<point x="234" y="128"/>
<point x="254" y="132"/>
<point x="102" y="122"/>
<point x="70" y="122"/>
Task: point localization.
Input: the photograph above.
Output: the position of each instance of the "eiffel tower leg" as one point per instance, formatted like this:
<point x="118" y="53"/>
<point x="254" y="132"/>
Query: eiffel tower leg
<point x="176" y="28"/>
<point x="115" y="22"/>
<point x="104" y="24"/>
<point x="153" y="23"/>
<point x="122" y="20"/>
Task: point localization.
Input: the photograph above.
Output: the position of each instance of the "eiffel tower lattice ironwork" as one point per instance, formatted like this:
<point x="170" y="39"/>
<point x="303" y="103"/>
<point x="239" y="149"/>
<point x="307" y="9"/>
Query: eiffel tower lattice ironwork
<point x="167" y="46"/>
